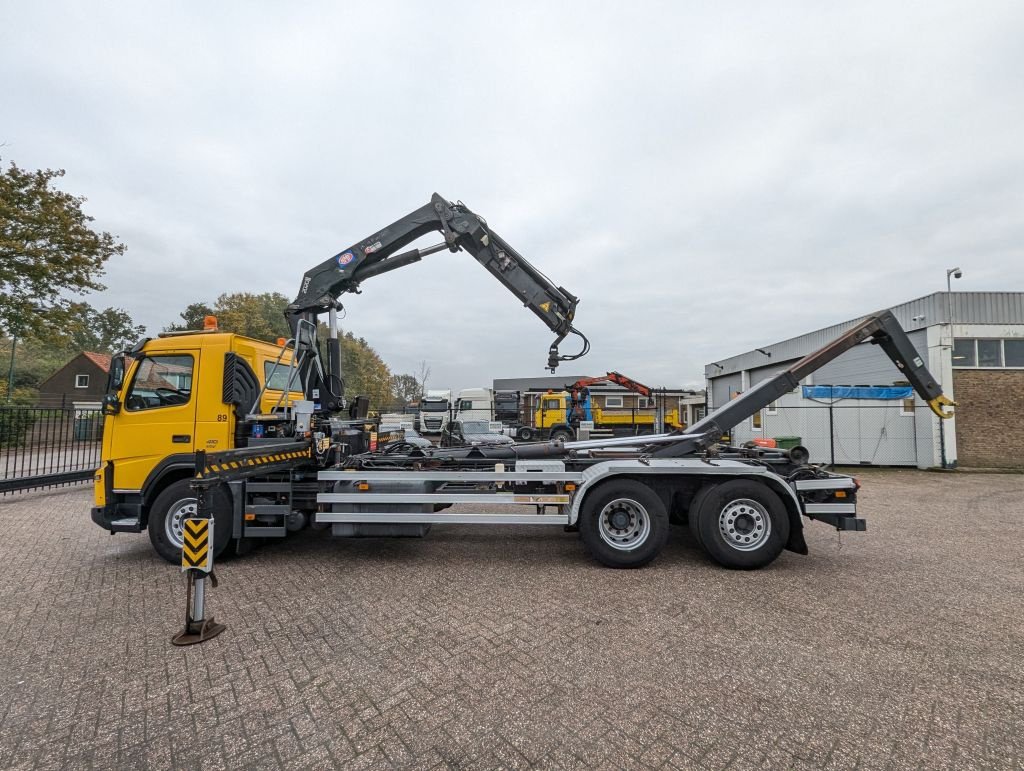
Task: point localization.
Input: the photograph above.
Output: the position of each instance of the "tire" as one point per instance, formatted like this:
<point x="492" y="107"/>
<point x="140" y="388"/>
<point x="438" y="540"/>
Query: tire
<point x="561" y="435"/>
<point x="624" y="524"/>
<point x="178" y="500"/>
<point x="692" y="519"/>
<point x="742" y="524"/>
<point x="524" y="434"/>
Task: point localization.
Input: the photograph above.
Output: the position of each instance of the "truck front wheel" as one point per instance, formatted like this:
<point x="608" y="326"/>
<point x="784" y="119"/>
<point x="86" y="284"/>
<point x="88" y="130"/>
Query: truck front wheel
<point x="742" y="524"/>
<point x="176" y="503"/>
<point x="624" y="524"/>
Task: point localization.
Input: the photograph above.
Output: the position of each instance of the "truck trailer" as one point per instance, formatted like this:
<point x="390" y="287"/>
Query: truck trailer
<point x="194" y="425"/>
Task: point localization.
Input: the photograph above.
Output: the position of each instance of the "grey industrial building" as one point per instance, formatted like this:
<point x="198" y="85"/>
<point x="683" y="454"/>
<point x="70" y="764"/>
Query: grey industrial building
<point x="854" y="411"/>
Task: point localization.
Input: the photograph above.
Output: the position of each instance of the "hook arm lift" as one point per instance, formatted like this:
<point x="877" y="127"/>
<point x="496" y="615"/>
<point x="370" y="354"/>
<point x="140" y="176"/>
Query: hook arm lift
<point x="880" y="328"/>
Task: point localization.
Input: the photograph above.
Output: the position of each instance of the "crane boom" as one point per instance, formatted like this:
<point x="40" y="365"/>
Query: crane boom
<point x="612" y="377"/>
<point x="462" y="229"/>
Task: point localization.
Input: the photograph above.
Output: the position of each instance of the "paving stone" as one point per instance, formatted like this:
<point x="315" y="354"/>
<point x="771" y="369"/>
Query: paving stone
<point x="508" y="647"/>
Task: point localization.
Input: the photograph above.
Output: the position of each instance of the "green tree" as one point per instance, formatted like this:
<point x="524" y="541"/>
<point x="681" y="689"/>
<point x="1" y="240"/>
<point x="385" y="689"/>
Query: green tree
<point x="191" y="318"/>
<point x="364" y="372"/>
<point x="106" y="331"/>
<point x="406" y="389"/>
<point x="262" y="316"/>
<point x="254" y="315"/>
<point x="81" y="328"/>
<point x="47" y="248"/>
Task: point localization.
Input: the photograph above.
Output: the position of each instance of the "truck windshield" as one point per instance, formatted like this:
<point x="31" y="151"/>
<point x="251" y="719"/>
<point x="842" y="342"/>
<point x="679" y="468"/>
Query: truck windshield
<point x="435" y="406"/>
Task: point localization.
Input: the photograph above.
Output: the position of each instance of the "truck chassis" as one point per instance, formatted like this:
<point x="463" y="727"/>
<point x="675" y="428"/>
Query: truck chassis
<point x="744" y="506"/>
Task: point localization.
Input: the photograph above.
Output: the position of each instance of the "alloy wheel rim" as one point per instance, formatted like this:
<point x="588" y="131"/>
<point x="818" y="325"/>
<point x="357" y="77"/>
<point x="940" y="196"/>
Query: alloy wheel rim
<point x="744" y="524"/>
<point x="624" y="524"/>
<point x="174" y="522"/>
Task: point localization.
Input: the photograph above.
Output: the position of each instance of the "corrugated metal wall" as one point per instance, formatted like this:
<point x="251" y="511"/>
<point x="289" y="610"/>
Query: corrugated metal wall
<point x="967" y="308"/>
<point x="868" y="365"/>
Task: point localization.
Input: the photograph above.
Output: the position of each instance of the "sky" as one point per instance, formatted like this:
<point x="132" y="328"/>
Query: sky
<point x="707" y="178"/>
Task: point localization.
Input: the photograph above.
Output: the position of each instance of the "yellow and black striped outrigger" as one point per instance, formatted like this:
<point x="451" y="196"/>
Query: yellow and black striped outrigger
<point x="214" y="468"/>
<point x="246" y="461"/>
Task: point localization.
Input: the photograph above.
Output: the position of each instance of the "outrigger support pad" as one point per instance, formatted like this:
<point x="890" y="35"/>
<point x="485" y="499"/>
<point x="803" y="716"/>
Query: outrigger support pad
<point x="197" y="628"/>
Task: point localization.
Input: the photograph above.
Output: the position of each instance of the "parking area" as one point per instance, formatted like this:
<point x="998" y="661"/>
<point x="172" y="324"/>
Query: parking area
<point x="508" y="647"/>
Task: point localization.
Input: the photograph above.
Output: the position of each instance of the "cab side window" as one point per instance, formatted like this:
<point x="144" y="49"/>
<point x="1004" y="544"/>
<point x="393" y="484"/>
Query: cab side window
<point x="280" y="376"/>
<point x="161" y="381"/>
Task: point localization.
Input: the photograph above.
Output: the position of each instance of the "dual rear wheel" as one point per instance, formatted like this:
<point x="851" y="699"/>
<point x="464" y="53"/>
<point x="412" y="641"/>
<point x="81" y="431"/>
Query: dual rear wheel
<point x="741" y="524"/>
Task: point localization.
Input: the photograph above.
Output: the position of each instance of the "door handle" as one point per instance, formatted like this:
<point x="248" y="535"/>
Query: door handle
<point x="181" y="438"/>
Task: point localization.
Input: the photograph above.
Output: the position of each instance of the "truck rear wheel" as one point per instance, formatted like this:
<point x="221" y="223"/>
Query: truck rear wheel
<point x="176" y="503"/>
<point x="624" y="524"/>
<point x="742" y="524"/>
<point x="692" y="517"/>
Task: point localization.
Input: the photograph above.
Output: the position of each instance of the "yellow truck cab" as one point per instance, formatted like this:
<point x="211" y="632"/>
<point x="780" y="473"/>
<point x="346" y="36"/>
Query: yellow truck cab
<point x="554" y="419"/>
<point x="170" y="397"/>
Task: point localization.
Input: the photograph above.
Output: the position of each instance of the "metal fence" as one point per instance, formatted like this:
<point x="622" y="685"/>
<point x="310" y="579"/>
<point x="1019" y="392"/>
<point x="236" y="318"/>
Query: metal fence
<point x="47" y="447"/>
<point x="850" y="434"/>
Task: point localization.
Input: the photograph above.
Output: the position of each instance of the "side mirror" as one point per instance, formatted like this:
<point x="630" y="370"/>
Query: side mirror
<point x="111" y="406"/>
<point x="115" y="379"/>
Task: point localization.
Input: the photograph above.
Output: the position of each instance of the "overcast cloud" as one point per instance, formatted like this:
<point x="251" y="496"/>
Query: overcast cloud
<point x="706" y="179"/>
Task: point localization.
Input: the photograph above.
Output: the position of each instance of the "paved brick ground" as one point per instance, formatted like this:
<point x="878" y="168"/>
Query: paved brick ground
<point x="900" y="647"/>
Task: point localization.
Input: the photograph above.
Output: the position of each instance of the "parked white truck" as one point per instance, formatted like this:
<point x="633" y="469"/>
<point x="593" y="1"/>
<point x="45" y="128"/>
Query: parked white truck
<point x="475" y="404"/>
<point x="435" y="411"/>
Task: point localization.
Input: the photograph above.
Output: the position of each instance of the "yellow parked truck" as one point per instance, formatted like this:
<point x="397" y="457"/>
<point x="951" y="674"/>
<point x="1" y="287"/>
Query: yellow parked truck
<point x="209" y="423"/>
<point x="168" y="398"/>
<point x="553" y="417"/>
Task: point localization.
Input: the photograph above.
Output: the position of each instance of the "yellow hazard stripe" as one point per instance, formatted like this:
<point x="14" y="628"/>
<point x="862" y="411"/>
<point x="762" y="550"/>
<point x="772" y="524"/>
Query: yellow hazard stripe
<point x="194" y="559"/>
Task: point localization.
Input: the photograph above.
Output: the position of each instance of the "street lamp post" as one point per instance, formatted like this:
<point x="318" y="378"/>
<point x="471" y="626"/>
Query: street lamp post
<point x="951" y="273"/>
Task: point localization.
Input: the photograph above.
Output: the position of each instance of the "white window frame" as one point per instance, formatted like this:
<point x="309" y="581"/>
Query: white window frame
<point x="1010" y="366"/>
<point x="904" y="412"/>
<point x="977" y="347"/>
<point x="79" y="383"/>
<point x="645" y="402"/>
<point x="772" y="409"/>
<point x="608" y="405"/>
<point x="977" y="360"/>
<point x="757" y="415"/>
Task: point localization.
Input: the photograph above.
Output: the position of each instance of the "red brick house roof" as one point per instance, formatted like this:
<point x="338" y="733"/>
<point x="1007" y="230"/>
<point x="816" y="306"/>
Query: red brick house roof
<point x="101" y="360"/>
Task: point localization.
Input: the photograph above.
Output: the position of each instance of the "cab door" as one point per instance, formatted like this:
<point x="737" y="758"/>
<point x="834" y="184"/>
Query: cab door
<point x="551" y="411"/>
<point x="157" y="417"/>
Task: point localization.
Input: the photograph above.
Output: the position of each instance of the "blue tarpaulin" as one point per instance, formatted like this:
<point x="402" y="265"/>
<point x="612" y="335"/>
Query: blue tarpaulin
<point x="857" y="392"/>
